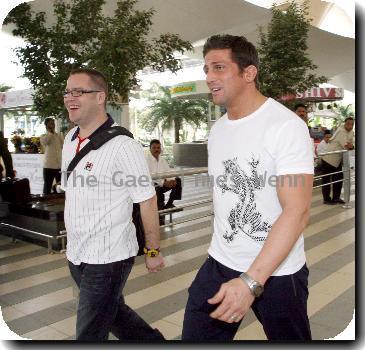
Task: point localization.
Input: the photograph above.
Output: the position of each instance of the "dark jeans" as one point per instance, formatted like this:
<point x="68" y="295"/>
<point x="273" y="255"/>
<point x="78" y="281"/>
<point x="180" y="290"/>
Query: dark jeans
<point x="175" y="194"/>
<point x="281" y="309"/>
<point x="48" y="176"/>
<point x="101" y="305"/>
<point x="336" y="187"/>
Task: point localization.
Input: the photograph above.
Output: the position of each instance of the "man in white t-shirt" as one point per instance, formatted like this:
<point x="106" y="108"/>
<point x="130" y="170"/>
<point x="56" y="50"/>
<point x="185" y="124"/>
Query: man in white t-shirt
<point x="101" y="237"/>
<point x="157" y="164"/>
<point x="260" y="157"/>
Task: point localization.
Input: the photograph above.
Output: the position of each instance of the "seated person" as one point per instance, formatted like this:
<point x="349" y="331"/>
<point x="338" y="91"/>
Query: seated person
<point x="157" y="164"/>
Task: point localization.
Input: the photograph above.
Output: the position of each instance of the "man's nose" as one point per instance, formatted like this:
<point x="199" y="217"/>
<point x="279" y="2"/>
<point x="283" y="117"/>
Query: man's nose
<point x="210" y="77"/>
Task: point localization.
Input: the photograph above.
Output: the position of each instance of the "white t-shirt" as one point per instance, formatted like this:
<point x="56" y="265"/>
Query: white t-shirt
<point x="99" y="196"/>
<point x="322" y="147"/>
<point x="251" y="152"/>
<point x="158" y="166"/>
<point x="338" y="142"/>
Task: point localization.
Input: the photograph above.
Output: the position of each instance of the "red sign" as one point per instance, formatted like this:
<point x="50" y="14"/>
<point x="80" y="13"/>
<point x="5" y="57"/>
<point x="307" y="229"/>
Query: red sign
<point x="322" y="94"/>
<point x="317" y="94"/>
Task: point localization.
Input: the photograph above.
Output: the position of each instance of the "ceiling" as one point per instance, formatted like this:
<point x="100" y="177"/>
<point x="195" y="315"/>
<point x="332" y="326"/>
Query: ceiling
<point x="195" y="20"/>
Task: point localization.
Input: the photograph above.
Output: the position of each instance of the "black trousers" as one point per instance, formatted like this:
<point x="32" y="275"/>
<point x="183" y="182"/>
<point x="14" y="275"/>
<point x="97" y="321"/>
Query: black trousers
<point x="175" y="194"/>
<point x="281" y="309"/>
<point x="327" y="168"/>
<point x="48" y="176"/>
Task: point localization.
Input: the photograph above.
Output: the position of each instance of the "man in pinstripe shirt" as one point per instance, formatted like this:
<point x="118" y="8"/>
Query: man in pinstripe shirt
<point x="98" y="215"/>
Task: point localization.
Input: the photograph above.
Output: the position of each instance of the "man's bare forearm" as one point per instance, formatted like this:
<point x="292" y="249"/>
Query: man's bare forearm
<point x="150" y="222"/>
<point x="281" y="239"/>
<point x="296" y="202"/>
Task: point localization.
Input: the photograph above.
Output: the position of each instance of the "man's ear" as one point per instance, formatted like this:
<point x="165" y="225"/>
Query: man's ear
<point x="250" y="73"/>
<point x="101" y="97"/>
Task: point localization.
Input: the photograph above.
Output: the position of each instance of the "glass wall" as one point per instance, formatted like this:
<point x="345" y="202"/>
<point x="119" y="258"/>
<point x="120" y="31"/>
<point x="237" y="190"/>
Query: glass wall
<point x="23" y="122"/>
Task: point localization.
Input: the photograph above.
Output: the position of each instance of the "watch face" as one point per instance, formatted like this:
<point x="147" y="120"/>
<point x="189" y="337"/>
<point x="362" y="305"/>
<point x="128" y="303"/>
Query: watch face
<point x="258" y="290"/>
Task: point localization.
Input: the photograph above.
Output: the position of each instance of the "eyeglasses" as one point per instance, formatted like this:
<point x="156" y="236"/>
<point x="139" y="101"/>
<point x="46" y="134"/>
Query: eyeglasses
<point x="78" y="93"/>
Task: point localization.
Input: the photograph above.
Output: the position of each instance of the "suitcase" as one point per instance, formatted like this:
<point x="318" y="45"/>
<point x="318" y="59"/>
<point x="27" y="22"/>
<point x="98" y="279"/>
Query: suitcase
<point x="15" y="191"/>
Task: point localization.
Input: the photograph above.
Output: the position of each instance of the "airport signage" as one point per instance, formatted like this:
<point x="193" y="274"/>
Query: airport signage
<point x="183" y="89"/>
<point x="317" y="94"/>
<point x="19" y="98"/>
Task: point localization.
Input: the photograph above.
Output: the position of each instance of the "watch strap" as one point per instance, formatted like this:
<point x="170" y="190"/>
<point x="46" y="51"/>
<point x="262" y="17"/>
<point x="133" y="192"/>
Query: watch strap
<point x="152" y="253"/>
<point x="256" y="288"/>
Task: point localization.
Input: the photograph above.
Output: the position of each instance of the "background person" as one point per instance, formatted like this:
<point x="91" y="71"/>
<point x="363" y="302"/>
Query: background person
<point x="301" y="111"/>
<point x="324" y="169"/>
<point x="157" y="164"/>
<point x="323" y="145"/>
<point x="6" y="156"/>
<point x="9" y="172"/>
<point x="52" y="144"/>
<point x="256" y="256"/>
<point x="101" y="237"/>
<point x="343" y="138"/>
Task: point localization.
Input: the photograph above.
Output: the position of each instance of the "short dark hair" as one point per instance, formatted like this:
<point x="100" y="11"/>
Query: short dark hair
<point x="155" y="141"/>
<point x="96" y="77"/>
<point x="244" y="52"/>
<point x="298" y="105"/>
<point x="47" y="120"/>
<point x="349" y="118"/>
<point x="327" y="132"/>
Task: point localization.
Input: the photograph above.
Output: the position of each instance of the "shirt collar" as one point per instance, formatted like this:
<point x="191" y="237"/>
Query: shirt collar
<point x="153" y="158"/>
<point x="107" y="124"/>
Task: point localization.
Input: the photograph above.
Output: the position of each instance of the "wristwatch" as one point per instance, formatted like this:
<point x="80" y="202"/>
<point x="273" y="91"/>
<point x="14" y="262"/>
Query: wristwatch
<point x="152" y="253"/>
<point x="256" y="288"/>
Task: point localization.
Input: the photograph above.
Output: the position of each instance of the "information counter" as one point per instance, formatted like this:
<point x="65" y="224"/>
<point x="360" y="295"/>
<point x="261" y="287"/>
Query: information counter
<point x="30" y="166"/>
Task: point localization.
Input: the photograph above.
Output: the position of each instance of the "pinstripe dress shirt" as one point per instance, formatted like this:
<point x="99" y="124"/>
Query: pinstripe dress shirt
<point x="99" y="197"/>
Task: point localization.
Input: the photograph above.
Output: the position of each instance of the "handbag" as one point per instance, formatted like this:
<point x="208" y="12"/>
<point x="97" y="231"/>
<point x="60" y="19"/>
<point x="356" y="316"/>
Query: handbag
<point x="96" y="142"/>
<point x="15" y="191"/>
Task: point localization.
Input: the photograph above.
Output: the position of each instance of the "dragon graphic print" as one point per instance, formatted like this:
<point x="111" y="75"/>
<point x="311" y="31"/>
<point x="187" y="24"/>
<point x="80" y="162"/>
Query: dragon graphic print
<point x="244" y="216"/>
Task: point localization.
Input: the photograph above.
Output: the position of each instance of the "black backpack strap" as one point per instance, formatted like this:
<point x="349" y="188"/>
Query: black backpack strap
<point x="96" y="142"/>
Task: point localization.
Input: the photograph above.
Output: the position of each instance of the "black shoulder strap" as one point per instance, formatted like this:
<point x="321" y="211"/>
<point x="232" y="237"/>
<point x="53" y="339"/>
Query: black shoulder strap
<point x="96" y="142"/>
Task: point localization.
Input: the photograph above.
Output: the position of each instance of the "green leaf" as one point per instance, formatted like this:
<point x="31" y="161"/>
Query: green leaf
<point x="171" y="112"/>
<point x="83" y="36"/>
<point x="285" y="66"/>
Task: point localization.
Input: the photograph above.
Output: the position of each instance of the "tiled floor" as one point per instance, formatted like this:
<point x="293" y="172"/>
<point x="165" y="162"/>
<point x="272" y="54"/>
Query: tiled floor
<point x="37" y="295"/>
